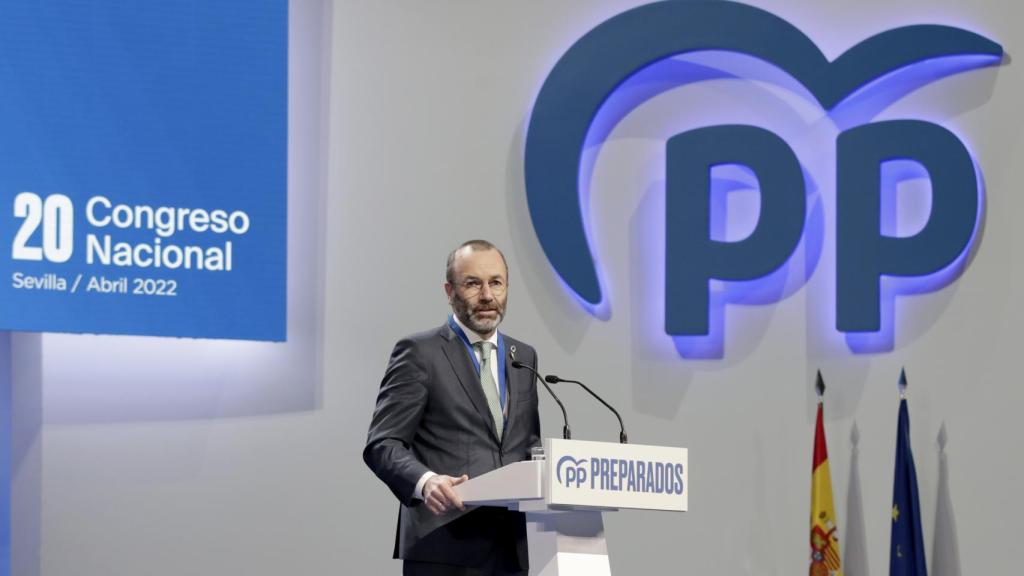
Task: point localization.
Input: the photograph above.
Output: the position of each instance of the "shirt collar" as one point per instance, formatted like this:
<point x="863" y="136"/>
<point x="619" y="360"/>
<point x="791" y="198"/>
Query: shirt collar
<point x="472" y="336"/>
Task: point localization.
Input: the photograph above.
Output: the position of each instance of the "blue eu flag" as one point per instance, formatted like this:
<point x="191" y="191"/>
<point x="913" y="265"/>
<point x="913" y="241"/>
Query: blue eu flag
<point x="906" y="554"/>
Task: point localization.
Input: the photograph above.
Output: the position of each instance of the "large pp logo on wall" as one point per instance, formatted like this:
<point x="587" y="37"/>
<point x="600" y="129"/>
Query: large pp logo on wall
<point x="584" y="80"/>
<point x="143" y="187"/>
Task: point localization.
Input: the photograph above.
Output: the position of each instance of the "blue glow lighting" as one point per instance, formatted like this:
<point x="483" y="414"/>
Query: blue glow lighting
<point x="601" y="310"/>
<point x="605" y="57"/>
<point x="653" y="80"/>
<point x="872" y="98"/>
<point x="884" y="340"/>
<point x="734" y="189"/>
<point x="774" y="287"/>
<point x="644" y="52"/>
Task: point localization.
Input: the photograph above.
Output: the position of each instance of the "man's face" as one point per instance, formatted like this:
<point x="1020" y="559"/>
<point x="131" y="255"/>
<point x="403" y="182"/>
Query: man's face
<point x="480" y="290"/>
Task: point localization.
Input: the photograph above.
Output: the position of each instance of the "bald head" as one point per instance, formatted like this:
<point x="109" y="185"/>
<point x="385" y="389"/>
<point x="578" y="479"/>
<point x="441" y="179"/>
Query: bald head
<point x="466" y="248"/>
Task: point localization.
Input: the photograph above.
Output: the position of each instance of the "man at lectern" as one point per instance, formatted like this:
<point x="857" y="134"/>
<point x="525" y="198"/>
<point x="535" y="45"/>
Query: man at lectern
<point x="451" y="407"/>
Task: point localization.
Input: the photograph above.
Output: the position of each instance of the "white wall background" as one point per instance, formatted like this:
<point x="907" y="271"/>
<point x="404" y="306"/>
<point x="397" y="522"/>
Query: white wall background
<point x="407" y="123"/>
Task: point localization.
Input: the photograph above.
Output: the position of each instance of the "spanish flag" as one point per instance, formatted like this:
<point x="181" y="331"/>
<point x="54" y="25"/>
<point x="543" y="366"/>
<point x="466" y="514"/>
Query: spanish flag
<point x="825" y="560"/>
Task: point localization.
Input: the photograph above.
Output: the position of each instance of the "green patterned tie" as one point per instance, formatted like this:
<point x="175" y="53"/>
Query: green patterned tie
<point x="490" y="388"/>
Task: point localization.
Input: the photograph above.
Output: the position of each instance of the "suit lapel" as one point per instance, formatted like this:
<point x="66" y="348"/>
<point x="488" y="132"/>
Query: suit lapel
<point x="462" y="366"/>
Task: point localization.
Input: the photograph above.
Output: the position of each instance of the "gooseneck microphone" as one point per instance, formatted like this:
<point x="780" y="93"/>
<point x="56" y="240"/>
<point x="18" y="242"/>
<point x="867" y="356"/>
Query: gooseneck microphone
<point x="566" y="432"/>
<point x="552" y="379"/>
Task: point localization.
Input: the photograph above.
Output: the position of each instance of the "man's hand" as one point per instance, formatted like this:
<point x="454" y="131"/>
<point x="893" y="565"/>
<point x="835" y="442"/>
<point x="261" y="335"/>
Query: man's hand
<point x="439" y="493"/>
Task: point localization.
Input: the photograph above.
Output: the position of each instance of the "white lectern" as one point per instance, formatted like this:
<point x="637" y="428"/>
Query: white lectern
<point x="565" y="494"/>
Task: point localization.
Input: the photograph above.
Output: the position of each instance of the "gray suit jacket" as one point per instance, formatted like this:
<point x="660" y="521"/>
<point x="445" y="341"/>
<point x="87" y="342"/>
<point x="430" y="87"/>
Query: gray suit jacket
<point x="431" y="414"/>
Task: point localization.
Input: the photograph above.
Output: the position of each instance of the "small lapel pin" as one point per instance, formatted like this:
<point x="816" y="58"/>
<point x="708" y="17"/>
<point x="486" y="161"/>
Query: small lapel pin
<point x="512" y="351"/>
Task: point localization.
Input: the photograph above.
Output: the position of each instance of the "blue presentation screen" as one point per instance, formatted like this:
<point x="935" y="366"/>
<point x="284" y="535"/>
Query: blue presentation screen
<point x="143" y="167"/>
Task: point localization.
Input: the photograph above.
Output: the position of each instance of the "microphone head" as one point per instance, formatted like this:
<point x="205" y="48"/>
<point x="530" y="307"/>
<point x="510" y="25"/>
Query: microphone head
<point x="517" y="364"/>
<point x="552" y="379"/>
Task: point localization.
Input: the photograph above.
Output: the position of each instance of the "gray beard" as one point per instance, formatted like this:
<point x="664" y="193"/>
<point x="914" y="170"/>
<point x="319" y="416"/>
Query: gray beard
<point x="483" y="326"/>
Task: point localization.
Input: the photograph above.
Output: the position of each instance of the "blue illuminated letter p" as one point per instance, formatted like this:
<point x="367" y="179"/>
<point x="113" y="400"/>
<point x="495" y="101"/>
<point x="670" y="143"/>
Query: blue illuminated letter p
<point x="863" y="253"/>
<point x="692" y="257"/>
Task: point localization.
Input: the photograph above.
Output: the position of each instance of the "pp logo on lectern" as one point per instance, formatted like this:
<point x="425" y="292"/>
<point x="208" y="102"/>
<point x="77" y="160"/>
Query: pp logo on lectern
<point x="621" y="475"/>
<point x="582" y="81"/>
<point x="571" y="472"/>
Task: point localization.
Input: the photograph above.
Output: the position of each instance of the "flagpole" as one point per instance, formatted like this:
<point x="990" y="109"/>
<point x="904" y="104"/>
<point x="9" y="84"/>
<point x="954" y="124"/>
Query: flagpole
<point x="906" y="543"/>
<point x="825" y="559"/>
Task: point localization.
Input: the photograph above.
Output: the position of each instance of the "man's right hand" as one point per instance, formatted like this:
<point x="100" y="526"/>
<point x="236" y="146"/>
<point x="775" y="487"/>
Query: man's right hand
<point x="439" y="493"/>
